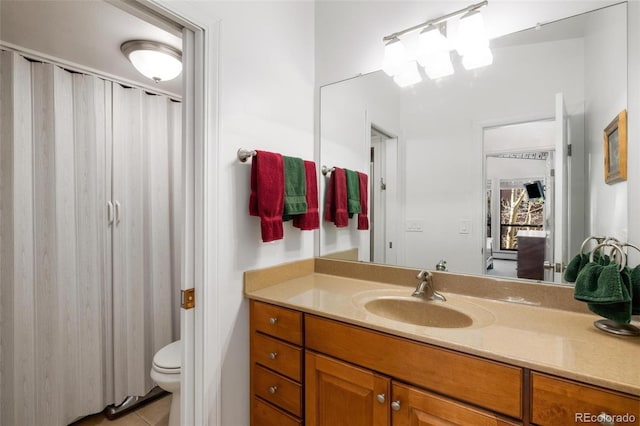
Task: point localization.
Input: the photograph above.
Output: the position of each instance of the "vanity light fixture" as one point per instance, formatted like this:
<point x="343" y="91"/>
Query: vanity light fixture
<point x="473" y="43"/>
<point x="154" y="60"/>
<point x="435" y="49"/>
<point x="395" y="57"/>
<point x="409" y="75"/>
<point x="434" y="52"/>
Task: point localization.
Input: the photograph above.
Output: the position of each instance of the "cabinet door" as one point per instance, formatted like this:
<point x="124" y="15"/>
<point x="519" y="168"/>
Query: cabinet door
<point x="339" y="394"/>
<point x="415" y="407"/>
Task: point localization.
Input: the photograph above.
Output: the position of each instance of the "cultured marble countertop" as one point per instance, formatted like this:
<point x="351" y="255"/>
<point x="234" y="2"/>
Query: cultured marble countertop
<point x="558" y="342"/>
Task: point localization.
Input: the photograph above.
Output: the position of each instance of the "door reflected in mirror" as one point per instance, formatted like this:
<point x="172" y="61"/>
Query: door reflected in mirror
<point x="437" y="181"/>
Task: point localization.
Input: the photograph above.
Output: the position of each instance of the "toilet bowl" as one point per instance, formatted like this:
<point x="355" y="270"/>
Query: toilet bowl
<point x="166" y="373"/>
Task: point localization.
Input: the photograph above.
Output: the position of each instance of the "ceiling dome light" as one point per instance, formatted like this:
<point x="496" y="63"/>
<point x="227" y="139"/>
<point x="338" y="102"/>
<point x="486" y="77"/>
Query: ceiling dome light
<point x="154" y="60"/>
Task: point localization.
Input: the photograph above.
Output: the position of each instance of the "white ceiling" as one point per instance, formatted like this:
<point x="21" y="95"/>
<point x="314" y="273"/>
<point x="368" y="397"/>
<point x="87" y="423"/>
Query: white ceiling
<point x="87" y="33"/>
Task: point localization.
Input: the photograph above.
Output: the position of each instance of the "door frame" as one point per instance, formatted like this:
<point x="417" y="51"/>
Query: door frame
<point x="198" y="248"/>
<point x="479" y="131"/>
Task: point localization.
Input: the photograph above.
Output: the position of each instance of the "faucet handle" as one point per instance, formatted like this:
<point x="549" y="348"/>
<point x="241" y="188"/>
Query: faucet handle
<point x="422" y="275"/>
<point x="442" y="265"/>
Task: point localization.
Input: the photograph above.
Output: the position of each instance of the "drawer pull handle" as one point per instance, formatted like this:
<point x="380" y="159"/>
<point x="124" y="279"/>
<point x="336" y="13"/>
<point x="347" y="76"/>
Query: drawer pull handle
<point x="380" y="397"/>
<point x="605" y="419"/>
<point x="273" y="389"/>
<point x="395" y="405"/>
<point x="273" y="320"/>
<point x="273" y="355"/>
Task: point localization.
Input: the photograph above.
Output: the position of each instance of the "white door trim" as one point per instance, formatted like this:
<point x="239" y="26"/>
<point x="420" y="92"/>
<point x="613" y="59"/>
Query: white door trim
<point x="200" y="153"/>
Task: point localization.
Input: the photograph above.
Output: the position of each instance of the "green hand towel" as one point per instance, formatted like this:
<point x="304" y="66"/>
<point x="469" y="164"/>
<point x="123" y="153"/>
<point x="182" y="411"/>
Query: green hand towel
<point x="575" y="266"/>
<point x="606" y="291"/>
<point x="353" y="192"/>
<point x="295" y="187"/>
<point x="578" y="263"/>
<point x="634" y="274"/>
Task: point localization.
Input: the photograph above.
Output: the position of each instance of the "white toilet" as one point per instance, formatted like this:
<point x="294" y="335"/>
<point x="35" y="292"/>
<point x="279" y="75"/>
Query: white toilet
<point x="166" y="373"/>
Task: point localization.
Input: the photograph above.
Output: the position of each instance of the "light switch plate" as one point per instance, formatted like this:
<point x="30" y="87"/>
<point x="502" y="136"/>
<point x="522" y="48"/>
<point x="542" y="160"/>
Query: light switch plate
<point x="415" y="225"/>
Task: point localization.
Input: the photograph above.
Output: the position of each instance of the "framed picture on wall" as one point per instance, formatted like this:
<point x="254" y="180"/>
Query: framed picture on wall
<point x="615" y="149"/>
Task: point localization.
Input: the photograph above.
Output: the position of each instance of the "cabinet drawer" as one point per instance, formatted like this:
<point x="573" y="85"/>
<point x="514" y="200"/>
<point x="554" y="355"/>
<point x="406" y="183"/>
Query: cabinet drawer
<point x="265" y="414"/>
<point x="277" y="355"/>
<point x="282" y="323"/>
<point x="488" y="384"/>
<point x="559" y="401"/>
<point x="277" y="389"/>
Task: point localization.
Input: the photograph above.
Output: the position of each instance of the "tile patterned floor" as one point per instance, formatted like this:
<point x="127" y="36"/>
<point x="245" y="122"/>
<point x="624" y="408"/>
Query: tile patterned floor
<point x="155" y="413"/>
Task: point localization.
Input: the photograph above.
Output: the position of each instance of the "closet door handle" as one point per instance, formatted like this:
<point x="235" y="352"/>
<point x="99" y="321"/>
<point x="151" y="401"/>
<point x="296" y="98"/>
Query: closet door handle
<point x="118" y="208"/>
<point x="109" y="213"/>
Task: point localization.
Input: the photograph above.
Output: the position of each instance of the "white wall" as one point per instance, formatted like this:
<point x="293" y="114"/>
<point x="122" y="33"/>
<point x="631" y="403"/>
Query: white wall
<point x="529" y="136"/>
<point x="265" y="101"/>
<point x="605" y="97"/>
<point x="347" y="110"/>
<point x="633" y="110"/>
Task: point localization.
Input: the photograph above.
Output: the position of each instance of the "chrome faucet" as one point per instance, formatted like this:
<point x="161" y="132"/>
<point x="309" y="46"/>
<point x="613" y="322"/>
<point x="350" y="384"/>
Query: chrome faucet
<point x="425" y="288"/>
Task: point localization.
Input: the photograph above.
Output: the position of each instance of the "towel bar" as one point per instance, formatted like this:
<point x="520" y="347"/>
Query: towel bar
<point x="244" y="153"/>
<point x="326" y="170"/>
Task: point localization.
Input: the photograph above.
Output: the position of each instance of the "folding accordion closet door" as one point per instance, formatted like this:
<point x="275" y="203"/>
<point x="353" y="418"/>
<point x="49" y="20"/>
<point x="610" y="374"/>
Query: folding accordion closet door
<point x="89" y="288"/>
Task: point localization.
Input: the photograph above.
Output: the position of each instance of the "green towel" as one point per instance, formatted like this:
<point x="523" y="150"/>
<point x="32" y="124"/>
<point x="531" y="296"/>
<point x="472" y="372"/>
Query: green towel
<point x="575" y="266"/>
<point x="295" y="187"/>
<point x="634" y="274"/>
<point x="353" y="192"/>
<point x="606" y="291"/>
<point x="578" y="263"/>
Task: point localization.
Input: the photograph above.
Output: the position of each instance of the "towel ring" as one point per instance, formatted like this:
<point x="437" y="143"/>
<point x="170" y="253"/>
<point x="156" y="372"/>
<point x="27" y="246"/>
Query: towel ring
<point x="623" y="260"/>
<point x="617" y="242"/>
<point x="623" y="245"/>
<point x="599" y="239"/>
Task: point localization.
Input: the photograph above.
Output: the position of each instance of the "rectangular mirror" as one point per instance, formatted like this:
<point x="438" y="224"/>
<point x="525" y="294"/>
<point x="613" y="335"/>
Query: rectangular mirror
<point x="456" y="165"/>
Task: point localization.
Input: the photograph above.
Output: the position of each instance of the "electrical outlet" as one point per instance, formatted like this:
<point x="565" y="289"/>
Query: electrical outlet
<point x="465" y="226"/>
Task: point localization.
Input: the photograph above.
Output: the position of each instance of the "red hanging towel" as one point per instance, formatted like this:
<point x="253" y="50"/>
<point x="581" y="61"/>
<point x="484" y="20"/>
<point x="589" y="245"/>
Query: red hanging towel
<point x="363" y="219"/>
<point x="311" y="219"/>
<point x="267" y="193"/>
<point x="336" y="202"/>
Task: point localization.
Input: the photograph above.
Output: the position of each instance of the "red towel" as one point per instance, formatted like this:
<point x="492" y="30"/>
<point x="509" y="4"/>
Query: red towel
<point x="363" y="219"/>
<point x="336" y="202"/>
<point x="311" y="219"/>
<point x="267" y="193"/>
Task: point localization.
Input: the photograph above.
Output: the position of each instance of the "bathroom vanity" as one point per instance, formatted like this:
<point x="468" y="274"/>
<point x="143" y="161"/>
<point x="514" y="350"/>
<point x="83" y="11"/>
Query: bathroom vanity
<point x="320" y="357"/>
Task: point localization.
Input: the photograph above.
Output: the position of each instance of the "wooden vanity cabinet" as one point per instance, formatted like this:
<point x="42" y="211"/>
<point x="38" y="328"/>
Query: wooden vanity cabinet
<point x="340" y="394"/>
<point x="276" y="386"/>
<point x="322" y="372"/>
<point x="491" y="385"/>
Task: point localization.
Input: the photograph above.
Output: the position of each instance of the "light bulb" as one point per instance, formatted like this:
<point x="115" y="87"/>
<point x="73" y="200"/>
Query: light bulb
<point x="471" y="33"/>
<point x="409" y="75"/>
<point x="477" y="58"/>
<point x="434" y="53"/>
<point x="395" y="57"/>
